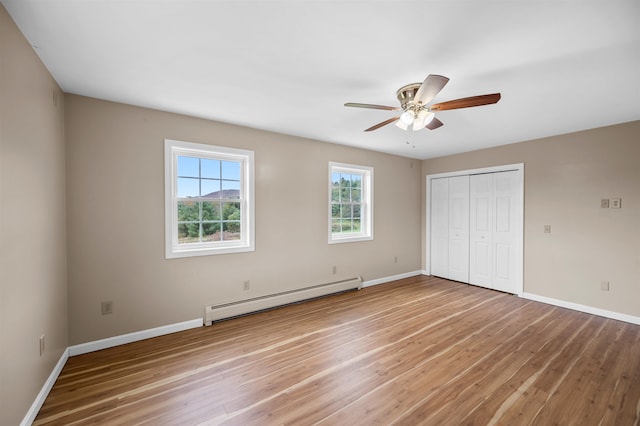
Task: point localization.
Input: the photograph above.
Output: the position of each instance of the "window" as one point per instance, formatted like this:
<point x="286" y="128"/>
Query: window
<point x="350" y="203"/>
<point x="208" y="200"/>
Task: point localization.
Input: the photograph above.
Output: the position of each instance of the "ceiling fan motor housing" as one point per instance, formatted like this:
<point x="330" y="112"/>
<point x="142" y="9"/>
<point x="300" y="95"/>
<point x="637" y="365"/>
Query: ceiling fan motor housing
<point x="406" y="94"/>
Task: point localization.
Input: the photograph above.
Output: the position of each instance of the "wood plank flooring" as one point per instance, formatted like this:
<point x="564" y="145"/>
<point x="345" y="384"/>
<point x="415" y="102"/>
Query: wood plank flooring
<point x="417" y="351"/>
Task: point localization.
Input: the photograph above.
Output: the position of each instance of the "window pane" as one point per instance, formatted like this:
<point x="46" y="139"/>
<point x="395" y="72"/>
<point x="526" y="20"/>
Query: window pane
<point x="188" y="211"/>
<point x="335" y="210"/>
<point x="188" y="166"/>
<point x="356" y="225"/>
<point x="230" y="189"/>
<point x="335" y="194"/>
<point x="183" y="232"/>
<point x="210" y="168"/>
<point x="345" y="180"/>
<point x="356" y="181"/>
<point x="188" y="233"/>
<point x="231" y="170"/>
<point x="356" y="211"/>
<point x="211" y="231"/>
<point x="346" y="225"/>
<point x="188" y="187"/>
<point x="345" y="194"/>
<point x="231" y="230"/>
<point x="346" y="211"/>
<point x="210" y="188"/>
<point x="231" y="211"/>
<point x="210" y="210"/>
<point x="356" y="195"/>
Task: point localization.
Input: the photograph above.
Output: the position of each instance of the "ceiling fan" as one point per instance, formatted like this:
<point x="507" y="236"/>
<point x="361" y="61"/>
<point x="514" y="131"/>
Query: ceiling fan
<point x="414" y="98"/>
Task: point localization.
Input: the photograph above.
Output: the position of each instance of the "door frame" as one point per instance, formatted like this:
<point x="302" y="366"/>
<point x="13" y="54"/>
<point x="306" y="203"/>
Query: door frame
<point x="518" y="167"/>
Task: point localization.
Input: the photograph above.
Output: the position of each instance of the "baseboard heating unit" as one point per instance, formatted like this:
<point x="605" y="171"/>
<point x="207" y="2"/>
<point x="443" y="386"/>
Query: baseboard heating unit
<point x="229" y="310"/>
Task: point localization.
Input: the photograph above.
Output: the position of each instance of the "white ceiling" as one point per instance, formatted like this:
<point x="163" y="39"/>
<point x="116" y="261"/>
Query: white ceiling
<point x="289" y="66"/>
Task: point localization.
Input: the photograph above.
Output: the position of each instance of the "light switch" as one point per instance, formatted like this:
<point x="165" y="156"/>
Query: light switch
<point x="547" y="229"/>
<point x="616" y="203"/>
<point x="604" y="203"/>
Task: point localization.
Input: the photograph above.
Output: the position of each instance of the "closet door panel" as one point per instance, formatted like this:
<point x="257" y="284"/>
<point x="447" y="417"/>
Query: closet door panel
<point x="480" y="232"/>
<point x="459" y="228"/>
<point x="439" y="255"/>
<point x="506" y="194"/>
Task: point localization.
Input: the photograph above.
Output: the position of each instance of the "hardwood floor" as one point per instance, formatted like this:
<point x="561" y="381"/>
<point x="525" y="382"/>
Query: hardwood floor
<point x="417" y="351"/>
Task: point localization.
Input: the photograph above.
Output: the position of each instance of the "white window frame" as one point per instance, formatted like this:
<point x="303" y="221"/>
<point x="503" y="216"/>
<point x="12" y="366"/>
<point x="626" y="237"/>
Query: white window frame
<point x="366" y="224"/>
<point x="172" y="149"/>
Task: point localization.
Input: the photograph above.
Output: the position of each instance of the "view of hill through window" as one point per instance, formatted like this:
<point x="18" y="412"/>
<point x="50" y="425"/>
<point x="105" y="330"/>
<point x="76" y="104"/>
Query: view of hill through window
<point x="209" y="200"/>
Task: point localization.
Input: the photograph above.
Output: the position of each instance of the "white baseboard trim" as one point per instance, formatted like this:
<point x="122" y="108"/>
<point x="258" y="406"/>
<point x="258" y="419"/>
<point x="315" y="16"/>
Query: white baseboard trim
<point x="46" y="388"/>
<point x="391" y="278"/>
<point x="111" y="342"/>
<point x="583" y="308"/>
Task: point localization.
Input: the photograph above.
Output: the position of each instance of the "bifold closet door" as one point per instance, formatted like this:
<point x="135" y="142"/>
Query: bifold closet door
<point x="439" y="254"/>
<point x="480" y="230"/>
<point x="459" y="228"/>
<point x="450" y="228"/>
<point x="494" y="203"/>
<point x="506" y="202"/>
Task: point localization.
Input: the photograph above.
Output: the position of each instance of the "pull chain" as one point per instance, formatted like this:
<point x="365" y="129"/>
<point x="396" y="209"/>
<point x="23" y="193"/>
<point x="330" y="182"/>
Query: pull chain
<point x="410" y="132"/>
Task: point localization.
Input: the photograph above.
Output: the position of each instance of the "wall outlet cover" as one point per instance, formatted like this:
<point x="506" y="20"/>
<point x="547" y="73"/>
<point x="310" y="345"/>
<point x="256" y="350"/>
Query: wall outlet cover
<point x="107" y="308"/>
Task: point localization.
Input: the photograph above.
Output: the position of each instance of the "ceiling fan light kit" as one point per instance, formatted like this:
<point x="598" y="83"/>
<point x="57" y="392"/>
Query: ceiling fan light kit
<point x="407" y="117"/>
<point x="414" y="99"/>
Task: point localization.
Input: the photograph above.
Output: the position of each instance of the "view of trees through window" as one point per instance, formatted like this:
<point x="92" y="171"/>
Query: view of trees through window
<point x="209" y="200"/>
<point x="346" y="202"/>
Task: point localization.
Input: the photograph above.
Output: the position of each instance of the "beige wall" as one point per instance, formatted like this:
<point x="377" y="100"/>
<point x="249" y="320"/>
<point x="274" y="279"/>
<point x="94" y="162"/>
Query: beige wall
<point x="116" y="219"/>
<point x="33" y="299"/>
<point x="565" y="178"/>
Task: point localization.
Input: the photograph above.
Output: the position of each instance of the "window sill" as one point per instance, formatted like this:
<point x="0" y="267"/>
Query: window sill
<point x="207" y="251"/>
<point x="350" y="239"/>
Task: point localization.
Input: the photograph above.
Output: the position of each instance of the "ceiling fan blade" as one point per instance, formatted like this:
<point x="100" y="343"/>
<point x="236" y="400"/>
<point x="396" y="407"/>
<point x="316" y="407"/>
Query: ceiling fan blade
<point x="466" y="102"/>
<point x="434" y="124"/>
<point x="384" y="123"/>
<point x="430" y="87"/>
<point x="372" y="106"/>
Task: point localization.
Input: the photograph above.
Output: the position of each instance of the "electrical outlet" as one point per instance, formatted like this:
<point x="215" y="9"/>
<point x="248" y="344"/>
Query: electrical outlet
<point x="41" y="345"/>
<point x="604" y="203"/>
<point x="335" y="269"/>
<point x="395" y="259"/>
<point x="107" y="307"/>
<point x="547" y="229"/>
<point x="247" y="285"/>
<point x="604" y="285"/>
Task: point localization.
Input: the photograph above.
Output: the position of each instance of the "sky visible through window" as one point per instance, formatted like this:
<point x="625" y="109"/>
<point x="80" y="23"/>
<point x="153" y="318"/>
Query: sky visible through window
<point x="199" y="177"/>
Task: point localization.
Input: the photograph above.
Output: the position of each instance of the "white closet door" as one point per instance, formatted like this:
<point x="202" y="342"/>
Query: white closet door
<point x="459" y="228"/>
<point x="481" y="230"/>
<point x="476" y="228"/>
<point x="440" y="227"/>
<point x="506" y="196"/>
